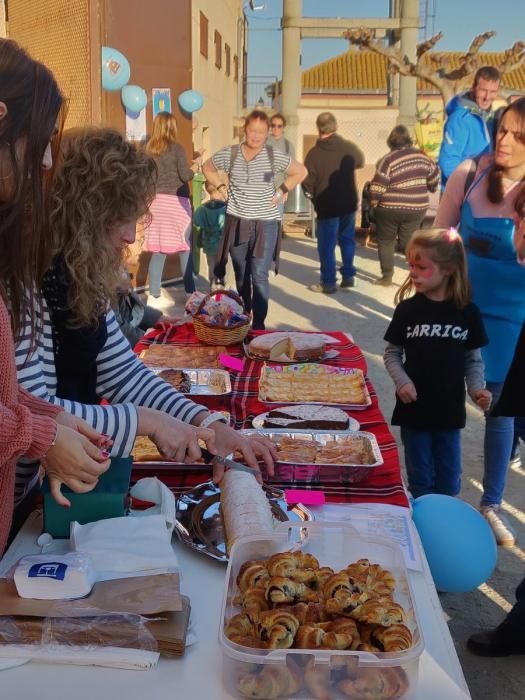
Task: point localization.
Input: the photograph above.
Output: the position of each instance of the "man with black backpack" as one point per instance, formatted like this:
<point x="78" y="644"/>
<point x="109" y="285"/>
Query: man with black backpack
<point x="252" y="227"/>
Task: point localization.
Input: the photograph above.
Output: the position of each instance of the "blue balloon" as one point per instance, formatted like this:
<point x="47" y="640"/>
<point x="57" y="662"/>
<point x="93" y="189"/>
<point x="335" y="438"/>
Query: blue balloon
<point x="190" y="101"/>
<point x="458" y="542"/>
<point x="115" y="69"/>
<point x="134" y="98"/>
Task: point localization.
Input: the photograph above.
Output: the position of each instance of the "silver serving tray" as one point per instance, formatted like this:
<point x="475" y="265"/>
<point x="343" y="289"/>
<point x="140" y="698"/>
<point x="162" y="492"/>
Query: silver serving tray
<point x="353" y="406"/>
<point x="199" y="523"/>
<point x="258" y="424"/>
<point x="204" y="382"/>
<point x="323" y="438"/>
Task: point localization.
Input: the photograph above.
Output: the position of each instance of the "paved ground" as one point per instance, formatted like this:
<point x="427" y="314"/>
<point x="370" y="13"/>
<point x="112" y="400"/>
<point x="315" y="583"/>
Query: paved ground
<point x="366" y="311"/>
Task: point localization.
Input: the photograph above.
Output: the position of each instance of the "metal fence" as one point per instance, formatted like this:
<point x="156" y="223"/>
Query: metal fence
<point x="260" y="90"/>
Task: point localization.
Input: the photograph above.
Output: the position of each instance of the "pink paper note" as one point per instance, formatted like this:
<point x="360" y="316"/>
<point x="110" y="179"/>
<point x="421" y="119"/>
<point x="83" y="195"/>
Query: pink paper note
<point x="307" y="498"/>
<point x="231" y="362"/>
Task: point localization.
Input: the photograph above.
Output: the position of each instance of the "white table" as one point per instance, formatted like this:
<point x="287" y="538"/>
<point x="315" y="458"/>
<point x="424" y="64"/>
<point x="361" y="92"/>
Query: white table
<point x="197" y="675"/>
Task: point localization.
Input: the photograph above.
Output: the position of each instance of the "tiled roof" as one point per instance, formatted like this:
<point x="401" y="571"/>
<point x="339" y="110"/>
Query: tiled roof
<point x="364" y="70"/>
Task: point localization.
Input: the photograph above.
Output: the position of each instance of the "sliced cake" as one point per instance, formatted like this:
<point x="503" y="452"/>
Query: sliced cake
<point x="307" y="417"/>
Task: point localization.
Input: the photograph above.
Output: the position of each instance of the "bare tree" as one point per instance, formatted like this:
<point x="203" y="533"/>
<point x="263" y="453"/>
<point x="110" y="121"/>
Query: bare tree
<point x="435" y="68"/>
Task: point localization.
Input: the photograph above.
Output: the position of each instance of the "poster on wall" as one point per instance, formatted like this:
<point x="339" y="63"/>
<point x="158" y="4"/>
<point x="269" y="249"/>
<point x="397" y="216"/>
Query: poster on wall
<point x="136" y="125"/>
<point x="161" y="100"/>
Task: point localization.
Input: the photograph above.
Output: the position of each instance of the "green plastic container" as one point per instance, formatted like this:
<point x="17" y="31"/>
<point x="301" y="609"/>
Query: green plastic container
<point x="107" y="500"/>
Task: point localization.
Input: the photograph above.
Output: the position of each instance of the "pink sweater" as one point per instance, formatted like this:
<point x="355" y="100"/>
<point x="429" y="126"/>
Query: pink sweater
<point x="450" y="204"/>
<point x="27" y="425"/>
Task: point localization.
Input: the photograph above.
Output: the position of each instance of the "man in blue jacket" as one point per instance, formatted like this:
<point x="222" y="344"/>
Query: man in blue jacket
<point x="470" y="122"/>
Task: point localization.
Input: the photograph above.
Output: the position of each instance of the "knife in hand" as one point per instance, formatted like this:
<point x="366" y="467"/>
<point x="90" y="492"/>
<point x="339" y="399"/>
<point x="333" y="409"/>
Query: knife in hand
<point x="210" y="458"/>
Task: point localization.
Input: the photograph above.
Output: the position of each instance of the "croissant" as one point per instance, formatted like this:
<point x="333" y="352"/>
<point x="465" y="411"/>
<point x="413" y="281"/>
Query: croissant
<point x="393" y="638"/>
<point x="323" y="637"/>
<point x="380" y="611"/>
<point x="309" y="637"/>
<point x="320" y="578"/>
<point x="239" y="624"/>
<point x="376" y="684"/>
<point x="283" y="590"/>
<point x="278" y="628"/>
<point x="346" y="626"/>
<point x="248" y="640"/>
<point x="345" y="603"/>
<point x="274" y="681"/>
<point x="317" y="680"/>
<point x="366" y="643"/>
<point x="306" y="613"/>
<point x="252" y="574"/>
<point x="254" y="601"/>
<point x="337" y="584"/>
<point x="298" y="566"/>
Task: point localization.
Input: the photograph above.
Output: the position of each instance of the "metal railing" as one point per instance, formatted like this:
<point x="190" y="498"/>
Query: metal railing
<point x="261" y="90"/>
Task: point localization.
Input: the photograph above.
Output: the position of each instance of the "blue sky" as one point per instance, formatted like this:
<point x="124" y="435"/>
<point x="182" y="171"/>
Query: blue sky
<point x="459" y="20"/>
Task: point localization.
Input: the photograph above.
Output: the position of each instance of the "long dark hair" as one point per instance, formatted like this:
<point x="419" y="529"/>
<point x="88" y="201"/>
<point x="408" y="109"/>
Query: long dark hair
<point x="34" y="104"/>
<point x="495" y="190"/>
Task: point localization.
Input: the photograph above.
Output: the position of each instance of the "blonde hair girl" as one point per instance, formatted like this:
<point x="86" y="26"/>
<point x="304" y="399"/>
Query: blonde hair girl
<point x="433" y="346"/>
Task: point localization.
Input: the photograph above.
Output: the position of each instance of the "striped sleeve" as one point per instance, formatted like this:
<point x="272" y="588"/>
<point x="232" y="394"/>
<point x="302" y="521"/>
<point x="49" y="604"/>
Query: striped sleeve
<point x="221" y="159"/>
<point x="36" y="373"/>
<point x="121" y="376"/>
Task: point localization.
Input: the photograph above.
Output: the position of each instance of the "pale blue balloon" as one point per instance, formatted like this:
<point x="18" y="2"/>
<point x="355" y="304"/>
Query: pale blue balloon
<point x="190" y="101"/>
<point x="458" y="542"/>
<point x="134" y="98"/>
<point x="115" y="69"/>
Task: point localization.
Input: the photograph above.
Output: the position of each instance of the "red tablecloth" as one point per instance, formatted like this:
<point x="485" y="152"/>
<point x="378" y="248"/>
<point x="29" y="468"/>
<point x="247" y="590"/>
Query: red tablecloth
<point x="384" y="486"/>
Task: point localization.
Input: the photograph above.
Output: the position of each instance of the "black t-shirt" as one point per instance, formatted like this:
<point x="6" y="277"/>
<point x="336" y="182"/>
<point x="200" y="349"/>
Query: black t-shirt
<point x="435" y="335"/>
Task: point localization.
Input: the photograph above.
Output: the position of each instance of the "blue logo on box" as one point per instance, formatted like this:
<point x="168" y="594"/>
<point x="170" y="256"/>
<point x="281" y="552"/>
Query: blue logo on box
<point x="50" y="569"/>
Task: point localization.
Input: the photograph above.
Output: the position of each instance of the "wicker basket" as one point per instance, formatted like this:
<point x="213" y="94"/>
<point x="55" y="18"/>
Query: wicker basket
<point x="220" y="335"/>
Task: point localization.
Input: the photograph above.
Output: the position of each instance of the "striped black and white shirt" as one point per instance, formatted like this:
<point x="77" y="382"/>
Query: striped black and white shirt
<point x="122" y="379"/>
<point x="251" y="186"/>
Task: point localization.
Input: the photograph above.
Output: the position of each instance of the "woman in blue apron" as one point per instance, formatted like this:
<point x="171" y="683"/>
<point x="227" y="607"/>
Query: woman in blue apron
<point x="490" y="217"/>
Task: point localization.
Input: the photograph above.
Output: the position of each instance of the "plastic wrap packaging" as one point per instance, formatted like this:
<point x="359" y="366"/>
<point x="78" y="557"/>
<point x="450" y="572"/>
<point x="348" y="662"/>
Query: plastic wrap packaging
<point x="112" y="630"/>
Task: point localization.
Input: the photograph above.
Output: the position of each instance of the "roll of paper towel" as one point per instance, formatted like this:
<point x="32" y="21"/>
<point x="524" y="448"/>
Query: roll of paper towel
<point x="53" y="576"/>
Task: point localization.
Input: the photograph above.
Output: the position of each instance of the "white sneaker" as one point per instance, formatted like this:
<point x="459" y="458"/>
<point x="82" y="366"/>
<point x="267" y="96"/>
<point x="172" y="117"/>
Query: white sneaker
<point x="162" y="302"/>
<point x="503" y="532"/>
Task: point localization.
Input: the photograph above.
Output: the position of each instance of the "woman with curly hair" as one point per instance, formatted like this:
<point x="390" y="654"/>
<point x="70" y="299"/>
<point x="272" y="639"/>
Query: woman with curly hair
<point x="170" y="227"/>
<point x="30" y="124"/>
<point x="102" y="187"/>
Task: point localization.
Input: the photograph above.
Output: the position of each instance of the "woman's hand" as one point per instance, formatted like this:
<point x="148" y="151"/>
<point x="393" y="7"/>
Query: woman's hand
<point x="254" y="448"/>
<point x="279" y="197"/>
<point x="407" y="393"/>
<point x="75" y="461"/>
<point x="104" y="442"/>
<point x="174" y="439"/>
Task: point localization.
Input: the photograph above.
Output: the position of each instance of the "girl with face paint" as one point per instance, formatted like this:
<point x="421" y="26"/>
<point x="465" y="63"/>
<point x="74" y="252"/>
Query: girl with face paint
<point x="434" y="343"/>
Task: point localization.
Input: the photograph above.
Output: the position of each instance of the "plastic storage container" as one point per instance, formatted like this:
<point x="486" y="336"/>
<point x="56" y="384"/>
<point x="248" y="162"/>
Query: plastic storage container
<point x="367" y="675"/>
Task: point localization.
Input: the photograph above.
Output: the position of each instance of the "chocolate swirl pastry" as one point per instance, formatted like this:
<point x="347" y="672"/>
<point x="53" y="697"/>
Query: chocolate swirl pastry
<point x="177" y="379"/>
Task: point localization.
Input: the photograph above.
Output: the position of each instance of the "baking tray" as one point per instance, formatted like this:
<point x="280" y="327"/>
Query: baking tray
<point x="199" y="524"/>
<point x="258" y="424"/>
<point x="204" y="382"/>
<point x="309" y="369"/>
<point x="294" y="473"/>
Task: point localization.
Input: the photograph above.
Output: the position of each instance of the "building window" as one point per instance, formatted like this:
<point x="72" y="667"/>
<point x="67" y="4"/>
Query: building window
<point x="218" y="49"/>
<point x="236" y="68"/>
<point x="204" y="35"/>
<point x="227" y="59"/>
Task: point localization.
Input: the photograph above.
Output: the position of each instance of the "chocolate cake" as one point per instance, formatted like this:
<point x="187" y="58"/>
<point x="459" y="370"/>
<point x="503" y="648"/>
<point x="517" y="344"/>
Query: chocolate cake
<point x="307" y="417"/>
<point x="177" y="378"/>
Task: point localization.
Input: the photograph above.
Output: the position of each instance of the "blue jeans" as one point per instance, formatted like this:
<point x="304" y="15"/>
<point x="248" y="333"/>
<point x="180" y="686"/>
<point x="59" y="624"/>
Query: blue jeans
<point x="338" y="230"/>
<point x="433" y="461"/>
<point x="252" y="274"/>
<point x="499" y="435"/>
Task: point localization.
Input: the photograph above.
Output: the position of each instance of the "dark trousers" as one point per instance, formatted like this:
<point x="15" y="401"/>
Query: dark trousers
<point x="252" y="274"/>
<point x="514" y="623"/>
<point x="392" y="224"/>
<point x="433" y="461"/>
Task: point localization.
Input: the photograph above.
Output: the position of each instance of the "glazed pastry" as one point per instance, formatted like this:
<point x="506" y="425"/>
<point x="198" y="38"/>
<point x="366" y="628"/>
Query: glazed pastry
<point x="244" y="507"/>
<point x="380" y="611"/>
<point x="306" y="613"/>
<point x="298" y="566"/>
<point x="284" y="590"/>
<point x="252" y="574"/>
<point x="346" y="626"/>
<point x="376" y="684"/>
<point x="393" y="638"/>
<point x="254" y="601"/>
<point x="319" y="637"/>
<point x="278" y="628"/>
<point x="239" y="624"/>
<point x="274" y="681"/>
